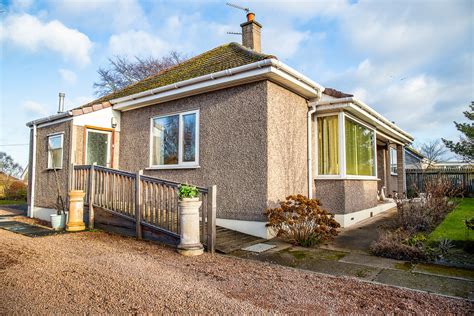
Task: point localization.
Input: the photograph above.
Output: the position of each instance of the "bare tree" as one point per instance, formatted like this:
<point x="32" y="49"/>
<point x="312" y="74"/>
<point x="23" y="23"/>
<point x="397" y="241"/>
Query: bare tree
<point x="433" y="150"/>
<point x="122" y="71"/>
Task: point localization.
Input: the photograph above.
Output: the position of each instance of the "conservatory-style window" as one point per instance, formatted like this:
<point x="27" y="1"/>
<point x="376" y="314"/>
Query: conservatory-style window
<point x="346" y="147"/>
<point x="360" y="149"/>
<point x="328" y="145"/>
<point x="175" y="140"/>
<point x="393" y="161"/>
<point x="55" y="151"/>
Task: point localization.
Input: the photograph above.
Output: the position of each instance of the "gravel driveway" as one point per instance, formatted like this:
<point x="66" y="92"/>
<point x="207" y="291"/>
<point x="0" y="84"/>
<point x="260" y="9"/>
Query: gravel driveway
<point x="95" y="272"/>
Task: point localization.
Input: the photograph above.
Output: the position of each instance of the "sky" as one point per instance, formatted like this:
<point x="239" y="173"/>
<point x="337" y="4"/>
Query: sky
<point x="412" y="61"/>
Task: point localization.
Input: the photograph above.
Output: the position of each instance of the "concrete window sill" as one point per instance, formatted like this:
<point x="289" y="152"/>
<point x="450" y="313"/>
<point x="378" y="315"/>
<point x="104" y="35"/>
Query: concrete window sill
<point x="173" y="167"/>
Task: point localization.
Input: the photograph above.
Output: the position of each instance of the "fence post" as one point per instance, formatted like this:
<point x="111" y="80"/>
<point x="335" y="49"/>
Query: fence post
<point x="90" y="195"/>
<point x="138" y="204"/>
<point x="211" y="218"/>
<point x="71" y="178"/>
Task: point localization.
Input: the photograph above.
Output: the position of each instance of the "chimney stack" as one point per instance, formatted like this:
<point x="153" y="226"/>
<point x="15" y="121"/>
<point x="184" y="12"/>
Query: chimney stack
<point x="61" y="102"/>
<point x="251" y="33"/>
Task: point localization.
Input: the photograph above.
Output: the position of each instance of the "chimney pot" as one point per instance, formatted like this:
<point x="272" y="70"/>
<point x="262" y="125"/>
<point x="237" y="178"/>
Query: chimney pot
<point x="61" y="102"/>
<point x="250" y="16"/>
<point x="251" y="37"/>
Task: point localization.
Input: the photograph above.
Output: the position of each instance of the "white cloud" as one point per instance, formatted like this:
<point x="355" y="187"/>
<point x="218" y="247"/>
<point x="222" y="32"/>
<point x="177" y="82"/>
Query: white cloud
<point x="30" y="33"/>
<point x="35" y="108"/>
<point x="67" y="75"/>
<point x="116" y="15"/>
<point x="137" y="43"/>
<point x="273" y="39"/>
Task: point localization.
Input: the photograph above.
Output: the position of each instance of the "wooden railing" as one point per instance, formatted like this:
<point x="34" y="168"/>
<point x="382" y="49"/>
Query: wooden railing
<point x="155" y="199"/>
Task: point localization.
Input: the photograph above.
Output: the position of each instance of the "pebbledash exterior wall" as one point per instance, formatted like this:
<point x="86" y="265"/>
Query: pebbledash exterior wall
<point x="346" y="196"/>
<point x="245" y="146"/>
<point x="45" y="181"/>
<point x="73" y="152"/>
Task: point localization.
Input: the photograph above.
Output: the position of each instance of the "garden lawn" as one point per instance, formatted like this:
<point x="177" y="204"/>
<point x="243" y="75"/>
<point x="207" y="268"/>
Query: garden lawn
<point x="453" y="227"/>
<point x="12" y="202"/>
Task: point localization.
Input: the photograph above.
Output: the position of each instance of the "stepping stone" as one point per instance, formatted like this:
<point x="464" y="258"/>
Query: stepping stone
<point x="259" y="247"/>
<point x="26" y="229"/>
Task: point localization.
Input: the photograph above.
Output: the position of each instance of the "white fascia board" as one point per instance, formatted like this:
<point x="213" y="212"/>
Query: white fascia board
<point x="200" y="87"/>
<point x="51" y="118"/>
<point x="368" y="117"/>
<point x="363" y="111"/>
<point x="267" y="69"/>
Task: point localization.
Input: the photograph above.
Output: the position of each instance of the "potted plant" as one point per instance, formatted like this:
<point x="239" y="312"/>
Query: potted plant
<point x="58" y="220"/>
<point x="189" y="204"/>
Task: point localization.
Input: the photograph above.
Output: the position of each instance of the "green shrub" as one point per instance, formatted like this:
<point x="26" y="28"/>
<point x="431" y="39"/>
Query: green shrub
<point x="187" y="191"/>
<point x="302" y="221"/>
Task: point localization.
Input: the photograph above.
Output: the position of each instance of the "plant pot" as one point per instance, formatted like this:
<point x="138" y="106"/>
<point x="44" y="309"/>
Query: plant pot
<point x="58" y="222"/>
<point x="190" y="244"/>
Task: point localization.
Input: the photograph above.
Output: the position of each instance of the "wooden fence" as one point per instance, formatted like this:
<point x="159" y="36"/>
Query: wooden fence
<point x="460" y="177"/>
<point x="122" y="193"/>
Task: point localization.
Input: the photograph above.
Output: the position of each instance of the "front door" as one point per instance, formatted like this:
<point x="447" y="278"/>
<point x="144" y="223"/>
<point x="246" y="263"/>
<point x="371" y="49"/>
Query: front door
<point x="98" y="147"/>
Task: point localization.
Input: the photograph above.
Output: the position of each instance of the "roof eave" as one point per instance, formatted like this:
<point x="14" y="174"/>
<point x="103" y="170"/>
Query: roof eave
<point x="49" y="118"/>
<point x="365" y="110"/>
<point x="270" y="69"/>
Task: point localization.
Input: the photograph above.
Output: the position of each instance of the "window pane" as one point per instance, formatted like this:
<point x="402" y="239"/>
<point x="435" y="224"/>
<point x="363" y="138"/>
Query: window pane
<point x="328" y="145"/>
<point x="165" y="140"/>
<point x="56" y="158"/>
<point x="360" y="157"/>
<point x="189" y="137"/>
<point x="97" y="148"/>
<point x="55" y="142"/>
<point x="393" y="160"/>
<point x="55" y="151"/>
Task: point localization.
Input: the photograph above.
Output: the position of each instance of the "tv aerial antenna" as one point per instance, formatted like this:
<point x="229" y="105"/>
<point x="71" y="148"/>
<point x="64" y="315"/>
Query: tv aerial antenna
<point x="247" y="10"/>
<point x="235" y="6"/>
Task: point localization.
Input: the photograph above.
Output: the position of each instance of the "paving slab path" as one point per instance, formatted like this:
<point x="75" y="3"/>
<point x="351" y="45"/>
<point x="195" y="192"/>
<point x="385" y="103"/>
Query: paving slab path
<point x="442" y="280"/>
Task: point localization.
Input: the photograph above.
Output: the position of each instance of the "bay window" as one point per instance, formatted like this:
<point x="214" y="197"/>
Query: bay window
<point x="55" y="151"/>
<point x="175" y="140"/>
<point x="346" y="147"/>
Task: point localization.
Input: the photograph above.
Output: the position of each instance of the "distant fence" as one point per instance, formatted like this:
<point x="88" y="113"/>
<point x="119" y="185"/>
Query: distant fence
<point x="460" y="177"/>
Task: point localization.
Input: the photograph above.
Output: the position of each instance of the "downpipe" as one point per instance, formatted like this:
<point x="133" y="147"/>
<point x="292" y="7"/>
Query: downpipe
<point x="309" y="120"/>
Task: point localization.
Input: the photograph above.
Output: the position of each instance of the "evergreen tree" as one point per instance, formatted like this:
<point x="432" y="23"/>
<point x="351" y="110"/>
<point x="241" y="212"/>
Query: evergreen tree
<point x="465" y="146"/>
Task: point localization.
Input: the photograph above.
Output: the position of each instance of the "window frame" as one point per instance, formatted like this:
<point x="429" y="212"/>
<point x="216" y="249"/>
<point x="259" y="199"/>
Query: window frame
<point x="110" y="137"/>
<point x="181" y="164"/>
<point x="393" y="151"/>
<point x="342" y="116"/>
<point x="49" y="162"/>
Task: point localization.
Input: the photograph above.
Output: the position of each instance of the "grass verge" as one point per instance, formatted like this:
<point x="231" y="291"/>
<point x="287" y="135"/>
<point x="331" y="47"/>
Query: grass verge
<point x="452" y="227"/>
<point x="12" y="202"/>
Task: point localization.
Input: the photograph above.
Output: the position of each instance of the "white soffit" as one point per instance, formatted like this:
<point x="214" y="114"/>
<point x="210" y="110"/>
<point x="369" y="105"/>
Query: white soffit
<point x="367" y="114"/>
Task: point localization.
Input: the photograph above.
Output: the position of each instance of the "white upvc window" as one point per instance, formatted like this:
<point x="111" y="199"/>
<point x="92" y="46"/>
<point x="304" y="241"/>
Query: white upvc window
<point x="346" y="147"/>
<point x="55" y="151"/>
<point x="175" y="141"/>
<point x="393" y="161"/>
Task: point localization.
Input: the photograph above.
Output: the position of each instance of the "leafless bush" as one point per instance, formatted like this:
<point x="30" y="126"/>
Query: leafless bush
<point x="425" y="213"/>
<point x="302" y="221"/>
<point x="394" y="245"/>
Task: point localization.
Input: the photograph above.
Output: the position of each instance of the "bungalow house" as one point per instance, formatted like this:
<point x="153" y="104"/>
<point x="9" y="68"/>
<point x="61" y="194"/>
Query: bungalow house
<point x="237" y="118"/>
